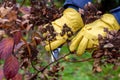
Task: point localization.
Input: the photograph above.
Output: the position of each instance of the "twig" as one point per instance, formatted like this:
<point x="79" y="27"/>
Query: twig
<point x="33" y="65"/>
<point x="51" y="51"/>
<point x="54" y="62"/>
<point x="22" y="3"/>
<point x="29" y="50"/>
<point x="83" y="60"/>
<point x="42" y="70"/>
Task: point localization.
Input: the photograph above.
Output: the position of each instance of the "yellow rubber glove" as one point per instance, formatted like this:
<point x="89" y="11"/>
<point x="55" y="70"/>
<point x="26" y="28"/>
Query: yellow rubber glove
<point x="88" y="36"/>
<point x="72" y="19"/>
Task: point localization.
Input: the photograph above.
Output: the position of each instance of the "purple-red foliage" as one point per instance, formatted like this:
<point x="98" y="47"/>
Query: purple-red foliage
<point x="11" y="67"/>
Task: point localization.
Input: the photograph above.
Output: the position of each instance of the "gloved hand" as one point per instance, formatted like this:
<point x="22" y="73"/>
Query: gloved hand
<point x="88" y="36"/>
<point x="71" y="18"/>
<point x="74" y="22"/>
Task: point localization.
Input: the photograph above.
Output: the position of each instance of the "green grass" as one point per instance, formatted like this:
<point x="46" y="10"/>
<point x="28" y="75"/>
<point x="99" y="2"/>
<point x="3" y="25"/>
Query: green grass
<point x="83" y="70"/>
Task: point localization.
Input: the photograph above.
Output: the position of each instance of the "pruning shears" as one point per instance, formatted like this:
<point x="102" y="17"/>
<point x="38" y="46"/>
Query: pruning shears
<point x="55" y="54"/>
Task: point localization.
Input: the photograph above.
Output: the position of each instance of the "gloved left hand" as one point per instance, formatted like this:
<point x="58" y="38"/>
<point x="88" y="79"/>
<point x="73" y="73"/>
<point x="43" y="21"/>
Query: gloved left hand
<point x="74" y="22"/>
<point x="72" y="18"/>
<point x="88" y="36"/>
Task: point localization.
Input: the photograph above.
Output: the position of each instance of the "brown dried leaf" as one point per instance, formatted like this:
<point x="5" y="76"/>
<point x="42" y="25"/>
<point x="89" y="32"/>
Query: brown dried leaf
<point x="4" y="11"/>
<point x="97" y="54"/>
<point x="98" y="69"/>
<point x="62" y="68"/>
<point x="6" y="47"/>
<point x="25" y="64"/>
<point x="90" y="13"/>
<point x="45" y="13"/>
<point x="29" y="26"/>
<point x="12" y="16"/>
<point x="26" y="16"/>
<point x="3" y="20"/>
<point x="36" y="39"/>
<point x="11" y="67"/>
<point x="109" y="45"/>
<point x="115" y="67"/>
<point x="25" y="23"/>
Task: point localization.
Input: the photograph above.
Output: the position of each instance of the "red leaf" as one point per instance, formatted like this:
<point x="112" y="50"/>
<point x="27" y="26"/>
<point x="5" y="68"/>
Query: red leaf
<point x="17" y="36"/>
<point x="1" y="75"/>
<point x="17" y="77"/>
<point x="11" y="67"/>
<point x="6" y="47"/>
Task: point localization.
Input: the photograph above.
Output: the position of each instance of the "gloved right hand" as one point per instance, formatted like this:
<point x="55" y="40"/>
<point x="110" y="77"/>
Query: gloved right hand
<point x="88" y="36"/>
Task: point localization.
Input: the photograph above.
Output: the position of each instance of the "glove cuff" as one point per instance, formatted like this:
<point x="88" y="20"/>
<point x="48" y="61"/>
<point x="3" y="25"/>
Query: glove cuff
<point x="76" y="4"/>
<point x="116" y="13"/>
